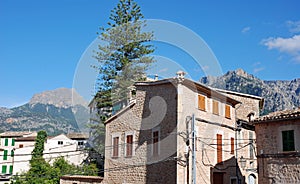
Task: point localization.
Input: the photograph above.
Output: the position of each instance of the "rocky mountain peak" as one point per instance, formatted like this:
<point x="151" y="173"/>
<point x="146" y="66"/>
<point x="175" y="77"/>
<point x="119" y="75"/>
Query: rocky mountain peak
<point x="61" y="97"/>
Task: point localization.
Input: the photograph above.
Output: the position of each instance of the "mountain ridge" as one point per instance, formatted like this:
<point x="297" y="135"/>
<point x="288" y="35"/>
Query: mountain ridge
<point x="278" y="94"/>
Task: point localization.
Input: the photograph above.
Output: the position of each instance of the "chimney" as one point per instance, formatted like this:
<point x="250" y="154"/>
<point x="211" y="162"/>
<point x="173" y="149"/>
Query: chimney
<point x="180" y="74"/>
<point x="156" y="77"/>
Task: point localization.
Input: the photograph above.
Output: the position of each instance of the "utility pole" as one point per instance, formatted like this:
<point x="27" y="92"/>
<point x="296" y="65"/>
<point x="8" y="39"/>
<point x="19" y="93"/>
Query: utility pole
<point x="193" y="151"/>
<point x="187" y="155"/>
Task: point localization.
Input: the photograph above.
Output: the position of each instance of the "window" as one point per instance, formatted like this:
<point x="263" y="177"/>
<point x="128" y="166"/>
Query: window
<point x="21" y="146"/>
<point x="232" y="145"/>
<point x="5" y="155"/>
<point x="155" y="142"/>
<point x="80" y="143"/>
<point x="288" y="143"/>
<point x="227" y="112"/>
<point x="4" y="168"/>
<point x="215" y="107"/>
<point x="201" y="102"/>
<point x="13" y="142"/>
<point x="60" y="142"/>
<point x="12" y="153"/>
<point x="6" y="142"/>
<point x="115" y="147"/>
<point x="10" y="169"/>
<point x="233" y="181"/>
<point x="219" y="148"/>
<point x="251" y="150"/>
<point x="129" y="147"/>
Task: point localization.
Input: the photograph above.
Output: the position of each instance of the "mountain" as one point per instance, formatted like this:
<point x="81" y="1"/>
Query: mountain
<point x="58" y="111"/>
<point x="278" y="94"/>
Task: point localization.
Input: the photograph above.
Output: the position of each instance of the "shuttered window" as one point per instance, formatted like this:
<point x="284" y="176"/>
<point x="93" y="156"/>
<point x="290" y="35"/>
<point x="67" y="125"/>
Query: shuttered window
<point x="115" y="146"/>
<point x="219" y="148"/>
<point x="129" y="141"/>
<point x="232" y="145"/>
<point x="10" y="169"/>
<point x="227" y="112"/>
<point x="251" y="150"/>
<point x="288" y="143"/>
<point x="12" y="153"/>
<point x="13" y="142"/>
<point x="215" y="107"/>
<point x="155" y="137"/>
<point x="5" y="155"/>
<point x="201" y="102"/>
<point x="6" y="142"/>
<point x="4" y="168"/>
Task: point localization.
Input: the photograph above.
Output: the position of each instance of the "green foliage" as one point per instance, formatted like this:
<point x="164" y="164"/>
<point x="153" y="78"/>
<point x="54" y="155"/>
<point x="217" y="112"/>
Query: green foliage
<point x="125" y="57"/>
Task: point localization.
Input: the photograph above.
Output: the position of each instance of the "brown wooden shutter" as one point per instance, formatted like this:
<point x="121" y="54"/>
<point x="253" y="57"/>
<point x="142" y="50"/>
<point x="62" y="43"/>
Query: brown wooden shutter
<point x="232" y="145"/>
<point x="155" y="143"/>
<point x="201" y="102"/>
<point x="115" y="146"/>
<point x="227" y="112"/>
<point x="219" y="148"/>
<point x="215" y="107"/>
<point x="129" y="145"/>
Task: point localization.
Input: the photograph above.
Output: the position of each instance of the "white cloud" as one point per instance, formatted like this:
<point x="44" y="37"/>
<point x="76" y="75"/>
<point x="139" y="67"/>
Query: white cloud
<point x="256" y="70"/>
<point x="290" y="46"/>
<point x="246" y="29"/>
<point x="294" y="26"/>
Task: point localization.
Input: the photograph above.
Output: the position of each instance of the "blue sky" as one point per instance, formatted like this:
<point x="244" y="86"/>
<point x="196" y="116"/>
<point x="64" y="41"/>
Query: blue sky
<point x="41" y="42"/>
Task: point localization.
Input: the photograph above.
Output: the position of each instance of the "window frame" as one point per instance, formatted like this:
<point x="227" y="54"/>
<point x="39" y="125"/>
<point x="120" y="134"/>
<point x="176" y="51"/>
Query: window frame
<point x="156" y="144"/>
<point x="129" y="133"/>
<point x="5" y="153"/>
<point x="227" y="110"/>
<point x="202" y="106"/>
<point x="219" y="145"/>
<point x="60" y="142"/>
<point x="288" y="145"/>
<point x="11" y="169"/>
<point x="6" y="142"/>
<point x="113" y="136"/>
<point x="232" y="143"/>
<point x="4" y="168"/>
<point x="215" y="107"/>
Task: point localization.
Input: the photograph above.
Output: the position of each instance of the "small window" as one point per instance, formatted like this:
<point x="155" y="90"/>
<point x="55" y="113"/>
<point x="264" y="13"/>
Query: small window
<point x="155" y="142"/>
<point x="232" y="145"/>
<point x="12" y="142"/>
<point x="21" y="146"/>
<point x="288" y="143"/>
<point x="115" y="147"/>
<point x="60" y="142"/>
<point x="6" y="142"/>
<point x="227" y="112"/>
<point x="129" y="146"/>
<point x="12" y="153"/>
<point x="5" y="154"/>
<point x="215" y="107"/>
<point x="251" y="150"/>
<point x="11" y="169"/>
<point x="80" y="143"/>
<point x="4" y="168"/>
<point x="201" y="102"/>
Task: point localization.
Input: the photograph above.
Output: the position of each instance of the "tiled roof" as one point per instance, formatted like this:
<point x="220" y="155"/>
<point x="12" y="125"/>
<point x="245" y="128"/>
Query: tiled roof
<point x="30" y="138"/>
<point x="15" y="134"/>
<point x="279" y="115"/>
<point x="82" y="178"/>
<point x="77" y="136"/>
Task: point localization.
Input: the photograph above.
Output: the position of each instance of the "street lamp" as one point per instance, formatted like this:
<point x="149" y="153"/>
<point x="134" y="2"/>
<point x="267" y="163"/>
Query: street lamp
<point x="243" y="162"/>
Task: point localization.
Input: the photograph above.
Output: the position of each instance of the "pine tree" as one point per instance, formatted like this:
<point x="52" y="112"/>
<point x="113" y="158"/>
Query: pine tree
<point x="125" y="58"/>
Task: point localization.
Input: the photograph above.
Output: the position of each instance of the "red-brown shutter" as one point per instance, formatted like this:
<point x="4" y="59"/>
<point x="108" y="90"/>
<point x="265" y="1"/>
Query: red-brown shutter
<point x="215" y="107"/>
<point x="129" y="145"/>
<point x="219" y="148"/>
<point x="201" y="102"/>
<point x="115" y="146"/>
<point x="227" y="112"/>
<point x="232" y="145"/>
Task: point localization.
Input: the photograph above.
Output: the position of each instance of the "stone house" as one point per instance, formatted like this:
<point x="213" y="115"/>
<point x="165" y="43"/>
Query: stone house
<point x="278" y="147"/>
<point x="149" y="141"/>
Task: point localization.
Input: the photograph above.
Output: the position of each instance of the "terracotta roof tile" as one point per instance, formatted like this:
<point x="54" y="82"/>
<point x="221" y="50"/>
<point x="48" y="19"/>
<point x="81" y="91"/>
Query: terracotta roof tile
<point x="279" y="115"/>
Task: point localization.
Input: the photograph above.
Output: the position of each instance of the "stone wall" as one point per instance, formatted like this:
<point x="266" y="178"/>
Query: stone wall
<point x="155" y="109"/>
<point x="276" y="166"/>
